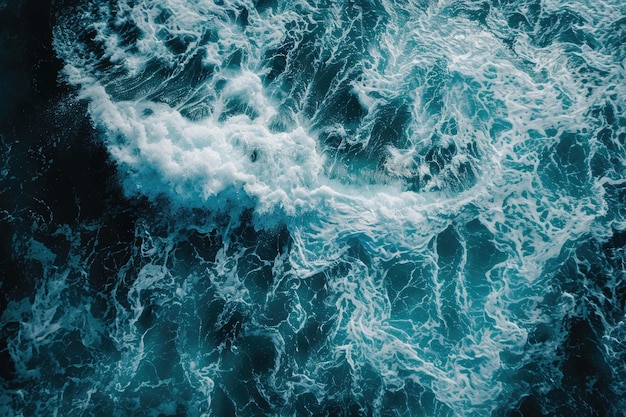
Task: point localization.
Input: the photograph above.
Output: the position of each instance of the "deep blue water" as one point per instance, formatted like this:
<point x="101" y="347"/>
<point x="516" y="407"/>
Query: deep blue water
<point x="313" y="208"/>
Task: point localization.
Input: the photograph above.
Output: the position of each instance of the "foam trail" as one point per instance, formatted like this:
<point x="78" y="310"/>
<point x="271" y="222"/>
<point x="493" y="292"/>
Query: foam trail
<point x="343" y="208"/>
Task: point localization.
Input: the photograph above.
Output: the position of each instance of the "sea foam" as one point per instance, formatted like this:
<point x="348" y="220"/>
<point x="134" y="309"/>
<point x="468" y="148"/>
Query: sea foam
<point x="389" y="191"/>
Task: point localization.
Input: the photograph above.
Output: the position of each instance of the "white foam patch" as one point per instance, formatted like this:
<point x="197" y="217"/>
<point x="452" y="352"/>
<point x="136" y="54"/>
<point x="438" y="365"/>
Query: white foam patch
<point x="162" y="153"/>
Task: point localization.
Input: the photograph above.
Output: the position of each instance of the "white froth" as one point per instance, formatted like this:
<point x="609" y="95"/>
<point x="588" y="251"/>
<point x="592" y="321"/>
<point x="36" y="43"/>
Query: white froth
<point x="503" y="101"/>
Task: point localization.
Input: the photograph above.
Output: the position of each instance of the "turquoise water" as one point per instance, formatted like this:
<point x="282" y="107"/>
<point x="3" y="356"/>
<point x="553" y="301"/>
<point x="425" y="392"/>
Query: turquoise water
<point x="324" y="208"/>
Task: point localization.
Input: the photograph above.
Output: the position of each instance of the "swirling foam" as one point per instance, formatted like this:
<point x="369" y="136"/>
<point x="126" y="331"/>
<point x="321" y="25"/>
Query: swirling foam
<point x="430" y="161"/>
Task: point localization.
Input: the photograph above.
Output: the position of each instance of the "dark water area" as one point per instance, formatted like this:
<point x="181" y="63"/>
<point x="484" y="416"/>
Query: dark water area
<point x="317" y="208"/>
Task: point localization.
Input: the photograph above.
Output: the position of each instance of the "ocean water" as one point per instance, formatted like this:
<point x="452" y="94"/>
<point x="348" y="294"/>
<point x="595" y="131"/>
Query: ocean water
<point x="313" y="208"/>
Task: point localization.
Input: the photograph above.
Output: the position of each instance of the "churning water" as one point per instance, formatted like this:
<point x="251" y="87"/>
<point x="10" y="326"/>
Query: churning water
<point x="320" y="208"/>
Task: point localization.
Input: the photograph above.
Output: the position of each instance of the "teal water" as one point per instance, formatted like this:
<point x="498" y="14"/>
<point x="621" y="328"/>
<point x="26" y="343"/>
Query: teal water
<point x="324" y="208"/>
